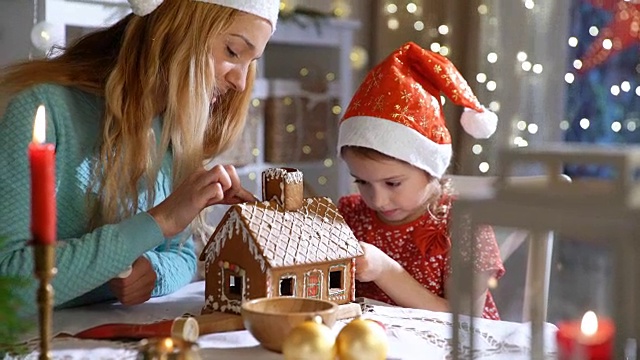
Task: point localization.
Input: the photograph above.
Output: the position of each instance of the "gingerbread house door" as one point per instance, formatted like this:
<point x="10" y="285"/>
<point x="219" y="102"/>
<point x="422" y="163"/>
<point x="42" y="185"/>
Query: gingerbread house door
<point x="234" y="282"/>
<point x="313" y="280"/>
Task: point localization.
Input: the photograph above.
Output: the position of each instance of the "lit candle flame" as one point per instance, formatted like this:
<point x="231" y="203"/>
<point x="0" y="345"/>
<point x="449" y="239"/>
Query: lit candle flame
<point x="168" y="344"/>
<point x="39" y="131"/>
<point x="589" y="325"/>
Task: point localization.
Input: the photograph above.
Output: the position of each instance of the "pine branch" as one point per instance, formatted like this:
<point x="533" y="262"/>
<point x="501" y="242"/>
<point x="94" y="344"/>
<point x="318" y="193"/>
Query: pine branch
<point x="12" y="325"/>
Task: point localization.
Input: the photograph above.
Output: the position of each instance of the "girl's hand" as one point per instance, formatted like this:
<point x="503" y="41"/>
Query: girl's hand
<point x="138" y="286"/>
<point x="220" y="185"/>
<point x="372" y="264"/>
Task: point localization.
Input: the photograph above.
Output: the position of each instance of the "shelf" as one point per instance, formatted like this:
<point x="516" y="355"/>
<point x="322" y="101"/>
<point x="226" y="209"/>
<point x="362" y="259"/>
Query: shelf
<point x="85" y="13"/>
<point x="321" y="32"/>
<point x="304" y="32"/>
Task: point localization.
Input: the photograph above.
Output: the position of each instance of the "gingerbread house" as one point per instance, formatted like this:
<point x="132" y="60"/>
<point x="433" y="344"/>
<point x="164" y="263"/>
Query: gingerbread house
<point x="286" y="245"/>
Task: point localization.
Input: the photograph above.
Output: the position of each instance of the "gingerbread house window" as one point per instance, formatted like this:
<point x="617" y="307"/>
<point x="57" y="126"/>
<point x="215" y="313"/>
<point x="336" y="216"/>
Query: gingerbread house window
<point x="235" y="285"/>
<point x="313" y="284"/>
<point x="287" y="285"/>
<point x="337" y="279"/>
<point x="233" y="277"/>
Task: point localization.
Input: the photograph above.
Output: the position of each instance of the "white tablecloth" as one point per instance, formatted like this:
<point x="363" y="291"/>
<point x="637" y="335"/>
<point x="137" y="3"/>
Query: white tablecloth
<point x="412" y="333"/>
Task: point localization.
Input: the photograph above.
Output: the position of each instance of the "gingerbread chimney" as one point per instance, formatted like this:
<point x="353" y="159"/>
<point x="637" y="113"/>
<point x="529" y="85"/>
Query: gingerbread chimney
<point x="284" y="185"/>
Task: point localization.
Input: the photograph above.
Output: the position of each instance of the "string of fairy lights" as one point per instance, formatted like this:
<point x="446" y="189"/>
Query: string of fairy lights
<point x="413" y="19"/>
<point x="615" y="89"/>
<point x="493" y="59"/>
<point x="434" y="34"/>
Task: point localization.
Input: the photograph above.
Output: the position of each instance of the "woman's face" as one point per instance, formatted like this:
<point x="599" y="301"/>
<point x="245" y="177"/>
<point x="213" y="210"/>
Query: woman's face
<point x="234" y="50"/>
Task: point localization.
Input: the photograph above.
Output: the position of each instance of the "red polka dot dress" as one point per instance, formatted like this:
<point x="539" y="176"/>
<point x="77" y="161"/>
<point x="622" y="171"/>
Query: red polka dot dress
<point x="420" y="247"/>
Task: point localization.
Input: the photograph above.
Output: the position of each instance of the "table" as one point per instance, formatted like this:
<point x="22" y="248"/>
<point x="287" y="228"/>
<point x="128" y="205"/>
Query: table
<point x="412" y="333"/>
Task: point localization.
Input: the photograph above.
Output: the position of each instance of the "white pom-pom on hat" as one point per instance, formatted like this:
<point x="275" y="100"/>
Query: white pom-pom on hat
<point x="480" y="125"/>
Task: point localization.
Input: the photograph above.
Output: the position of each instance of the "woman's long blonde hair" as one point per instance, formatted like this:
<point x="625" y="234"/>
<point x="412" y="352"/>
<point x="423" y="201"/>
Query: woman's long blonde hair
<point x="144" y="67"/>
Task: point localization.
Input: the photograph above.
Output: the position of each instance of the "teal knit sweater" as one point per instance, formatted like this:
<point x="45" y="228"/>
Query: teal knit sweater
<point x="85" y="260"/>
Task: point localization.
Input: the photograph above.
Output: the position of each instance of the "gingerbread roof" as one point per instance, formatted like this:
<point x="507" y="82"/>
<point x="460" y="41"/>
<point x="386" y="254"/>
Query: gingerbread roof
<point x="315" y="233"/>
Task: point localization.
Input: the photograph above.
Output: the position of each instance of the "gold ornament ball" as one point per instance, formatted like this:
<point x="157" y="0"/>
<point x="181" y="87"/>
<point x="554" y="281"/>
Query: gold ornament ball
<point x="362" y="339"/>
<point x="311" y="340"/>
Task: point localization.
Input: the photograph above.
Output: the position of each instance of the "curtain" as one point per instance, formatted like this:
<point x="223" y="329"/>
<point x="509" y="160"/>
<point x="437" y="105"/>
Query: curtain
<point x="603" y="90"/>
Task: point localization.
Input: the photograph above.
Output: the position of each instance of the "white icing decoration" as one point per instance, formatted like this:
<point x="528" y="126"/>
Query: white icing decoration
<point x="336" y="292"/>
<point x="289" y="177"/>
<point x="283" y="176"/>
<point x="231" y="226"/>
<point x="294" y="284"/>
<point x="272" y="226"/>
<point x="352" y="292"/>
<point x="281" y="193"/>
<point x="307" y="275"/>
<point x="233" y="305"/>
<point x="269" y="284"/>
<point x="211" y="304"/>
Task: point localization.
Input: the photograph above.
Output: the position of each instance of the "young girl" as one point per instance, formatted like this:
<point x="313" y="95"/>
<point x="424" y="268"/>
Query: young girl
<point x="133" y="111"/>
<point x="395" y="142"/>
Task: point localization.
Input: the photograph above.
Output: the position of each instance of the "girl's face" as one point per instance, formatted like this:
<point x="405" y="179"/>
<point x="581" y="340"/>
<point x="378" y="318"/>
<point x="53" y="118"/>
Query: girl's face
<point x="234" y="50"/>
<point x="397" y="191"/>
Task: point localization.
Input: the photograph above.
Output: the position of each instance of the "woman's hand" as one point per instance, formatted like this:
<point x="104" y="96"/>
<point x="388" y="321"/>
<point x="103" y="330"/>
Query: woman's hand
<point x="220" y="185"/>
<point x="372" y="264"/>
<point x="138" y="286"/>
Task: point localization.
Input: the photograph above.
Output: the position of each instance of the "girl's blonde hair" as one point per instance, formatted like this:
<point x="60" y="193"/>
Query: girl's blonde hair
<point x="159" y="64"/>
<point x="441" y="187"/>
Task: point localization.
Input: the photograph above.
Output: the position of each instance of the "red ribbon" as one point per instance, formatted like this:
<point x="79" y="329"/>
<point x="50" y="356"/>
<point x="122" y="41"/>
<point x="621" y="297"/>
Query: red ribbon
<point x="433" y="237"/>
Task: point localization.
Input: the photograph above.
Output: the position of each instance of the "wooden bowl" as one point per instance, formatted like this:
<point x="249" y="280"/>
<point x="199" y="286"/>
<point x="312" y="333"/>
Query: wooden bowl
<point x="270" y="320"/>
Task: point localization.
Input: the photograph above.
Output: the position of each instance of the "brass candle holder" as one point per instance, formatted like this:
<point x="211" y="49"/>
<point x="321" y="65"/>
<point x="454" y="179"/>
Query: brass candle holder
<point x="45" y="270"/>
<point x="169" y="348"/>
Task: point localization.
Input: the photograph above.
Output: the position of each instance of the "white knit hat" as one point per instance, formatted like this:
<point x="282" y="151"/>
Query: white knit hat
<point x="266" y="9"/>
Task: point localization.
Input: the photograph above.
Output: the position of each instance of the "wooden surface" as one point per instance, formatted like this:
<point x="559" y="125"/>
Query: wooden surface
<point x="218" y="322"/>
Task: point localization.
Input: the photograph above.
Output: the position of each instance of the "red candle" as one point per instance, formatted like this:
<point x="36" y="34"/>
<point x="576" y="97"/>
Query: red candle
<point x="43" y="196"/>
<point x="589" y="339"/>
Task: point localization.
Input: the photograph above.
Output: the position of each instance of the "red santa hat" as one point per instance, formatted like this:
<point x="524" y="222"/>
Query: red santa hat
<point x="397" y="110"/>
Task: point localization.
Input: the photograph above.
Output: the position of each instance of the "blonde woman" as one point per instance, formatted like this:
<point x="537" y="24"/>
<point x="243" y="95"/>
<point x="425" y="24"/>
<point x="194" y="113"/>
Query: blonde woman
<point x="133" y="111"/>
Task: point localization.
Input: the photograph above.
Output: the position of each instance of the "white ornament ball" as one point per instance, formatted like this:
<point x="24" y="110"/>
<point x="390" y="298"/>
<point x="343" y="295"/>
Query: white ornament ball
<point x="42" y="36"/>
